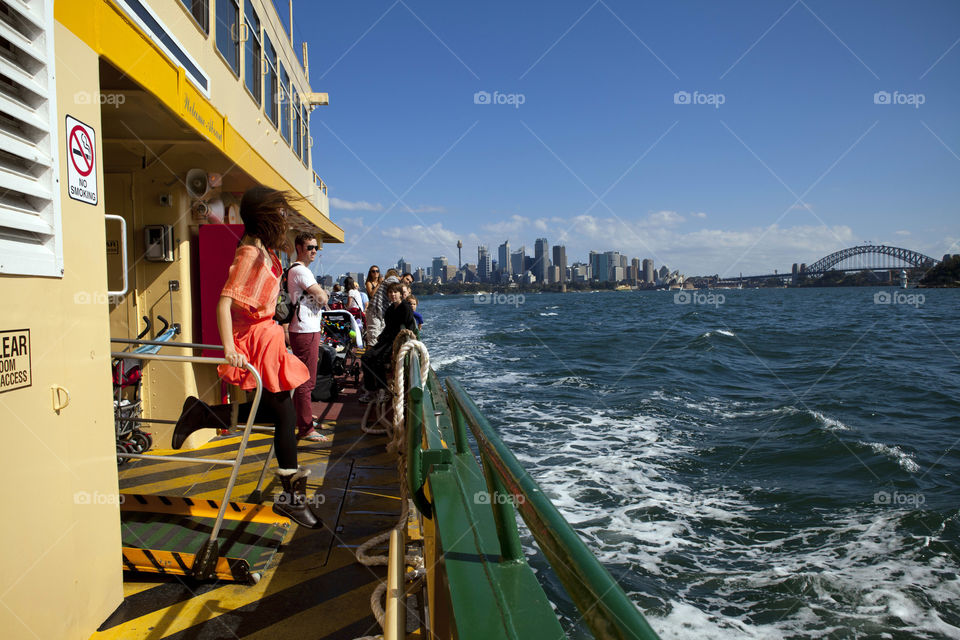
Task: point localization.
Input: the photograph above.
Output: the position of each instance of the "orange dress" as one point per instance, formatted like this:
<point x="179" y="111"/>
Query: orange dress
<point x="253" y="284"/>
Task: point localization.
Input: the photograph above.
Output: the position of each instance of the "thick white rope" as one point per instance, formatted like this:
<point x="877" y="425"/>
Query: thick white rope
<point x="396" y="445"/>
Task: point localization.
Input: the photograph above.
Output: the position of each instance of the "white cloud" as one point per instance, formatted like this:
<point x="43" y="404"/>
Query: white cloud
<point x="363" y="205"/>
<point x="428" y="209"/>
<point x="360" y="205"/>
<point x="903" y="233"/>
<point x="664" y="218"/>
<point x="699" y="214"/>
<point x="513" y="226"/>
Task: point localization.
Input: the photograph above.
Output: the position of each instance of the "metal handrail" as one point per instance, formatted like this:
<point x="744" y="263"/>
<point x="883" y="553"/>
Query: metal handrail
<point x="167" y="343"/>
<point x="604" y="605"/>
<point x="205" y="561"/>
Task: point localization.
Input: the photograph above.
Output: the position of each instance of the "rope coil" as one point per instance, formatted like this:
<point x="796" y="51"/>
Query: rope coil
<point x="395" y="429"/>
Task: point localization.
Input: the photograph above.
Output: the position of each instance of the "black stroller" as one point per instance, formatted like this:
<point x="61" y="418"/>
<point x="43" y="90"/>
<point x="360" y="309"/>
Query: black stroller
<point x="127" y="403"/>
<point x="337" y="326"/>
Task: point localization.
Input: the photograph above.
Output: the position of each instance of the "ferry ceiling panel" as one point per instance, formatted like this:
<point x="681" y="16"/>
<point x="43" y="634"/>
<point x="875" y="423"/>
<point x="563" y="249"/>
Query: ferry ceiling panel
<point x="141" y="133"/>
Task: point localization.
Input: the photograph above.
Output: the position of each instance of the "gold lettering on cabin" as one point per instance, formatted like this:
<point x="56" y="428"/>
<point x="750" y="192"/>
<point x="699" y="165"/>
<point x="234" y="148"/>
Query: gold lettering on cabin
<point x="211" y="124"/>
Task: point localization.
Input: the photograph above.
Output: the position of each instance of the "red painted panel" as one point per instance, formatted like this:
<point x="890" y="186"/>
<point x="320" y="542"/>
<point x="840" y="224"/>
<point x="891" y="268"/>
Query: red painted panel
<point x="217" y="246"/>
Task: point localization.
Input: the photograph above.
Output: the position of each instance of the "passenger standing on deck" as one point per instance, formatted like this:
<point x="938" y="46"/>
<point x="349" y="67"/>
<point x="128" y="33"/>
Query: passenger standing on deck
<point x="373" y="281"/>
<point x="354" y="301"/>
<point x="249" y="334"/>
<point x="412" y="301"/>
<point x="376" y="360"/>
<point x="305" y="335"/>
<point x="378" y="305"/>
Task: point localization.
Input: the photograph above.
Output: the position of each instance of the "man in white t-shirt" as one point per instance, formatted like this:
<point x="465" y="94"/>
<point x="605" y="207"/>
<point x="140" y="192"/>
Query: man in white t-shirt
<point x="305" y="336"/>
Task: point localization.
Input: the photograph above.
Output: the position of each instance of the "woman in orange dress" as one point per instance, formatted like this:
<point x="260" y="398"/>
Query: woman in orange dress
<point x="249" y="334"/>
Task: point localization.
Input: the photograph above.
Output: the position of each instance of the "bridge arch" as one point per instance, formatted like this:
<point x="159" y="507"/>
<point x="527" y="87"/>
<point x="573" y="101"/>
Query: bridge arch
<point x="911" y="258"/>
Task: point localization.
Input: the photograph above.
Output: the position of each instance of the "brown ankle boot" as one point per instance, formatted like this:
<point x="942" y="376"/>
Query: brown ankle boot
<point x="292" y="503"/>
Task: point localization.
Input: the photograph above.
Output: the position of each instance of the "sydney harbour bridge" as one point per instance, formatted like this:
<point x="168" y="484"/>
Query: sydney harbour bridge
<point x="865" y="257"/>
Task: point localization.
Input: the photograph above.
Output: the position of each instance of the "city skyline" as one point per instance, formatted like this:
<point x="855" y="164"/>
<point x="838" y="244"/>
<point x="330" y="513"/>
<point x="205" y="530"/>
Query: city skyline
<point x="729" y="139"/>
<point x="633" y="269"/>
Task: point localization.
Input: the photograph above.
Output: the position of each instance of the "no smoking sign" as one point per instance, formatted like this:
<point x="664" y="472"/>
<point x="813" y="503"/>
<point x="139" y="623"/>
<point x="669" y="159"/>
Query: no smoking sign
<point x="81" y="161"/>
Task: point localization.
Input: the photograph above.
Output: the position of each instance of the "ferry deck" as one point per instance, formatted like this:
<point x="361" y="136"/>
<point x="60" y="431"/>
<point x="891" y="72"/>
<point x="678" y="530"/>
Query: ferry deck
<point x="314" y="588"/>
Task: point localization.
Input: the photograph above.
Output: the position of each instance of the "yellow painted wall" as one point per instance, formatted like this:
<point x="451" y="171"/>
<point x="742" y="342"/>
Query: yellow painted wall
<point x="60" y="553"/>
<point x="248" y="135"/>
<point x="137" y="196"/>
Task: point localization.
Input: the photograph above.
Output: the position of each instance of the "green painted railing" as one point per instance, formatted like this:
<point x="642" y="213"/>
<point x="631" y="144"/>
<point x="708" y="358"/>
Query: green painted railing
<point x="474" y="509"/>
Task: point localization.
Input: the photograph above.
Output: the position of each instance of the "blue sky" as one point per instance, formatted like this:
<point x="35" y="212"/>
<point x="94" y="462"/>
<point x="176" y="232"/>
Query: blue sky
<point x="619" y="142"/>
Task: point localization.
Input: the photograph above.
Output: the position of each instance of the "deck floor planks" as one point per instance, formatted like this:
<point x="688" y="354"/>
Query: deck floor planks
<point x="314" y="588"/>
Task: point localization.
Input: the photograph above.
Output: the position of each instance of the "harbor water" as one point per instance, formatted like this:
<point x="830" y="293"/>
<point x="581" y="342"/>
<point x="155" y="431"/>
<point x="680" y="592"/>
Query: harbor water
<point x="774" y="463"/>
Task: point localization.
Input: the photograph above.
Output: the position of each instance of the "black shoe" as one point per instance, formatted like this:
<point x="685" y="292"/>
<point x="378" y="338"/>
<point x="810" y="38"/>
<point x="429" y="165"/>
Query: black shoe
<point x="194" y="415"/>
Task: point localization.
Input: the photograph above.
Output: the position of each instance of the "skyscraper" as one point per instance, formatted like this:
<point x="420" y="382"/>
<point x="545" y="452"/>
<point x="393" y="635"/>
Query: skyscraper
<point x="595" y="266"/>
<point x="635" y="271"/>
<point x="503" y="256"/>
<point x="648" y="270"/>
<point x="483" y="264"/>
<point x="439" y="268"/>
<point x="541" y="259"/>
<point x="518" y="262"/>
<point x="560" y="260"/>
<point x="613" y="261"/>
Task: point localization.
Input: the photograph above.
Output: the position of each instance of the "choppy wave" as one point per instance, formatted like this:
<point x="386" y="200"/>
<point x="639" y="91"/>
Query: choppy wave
<point x="895" y="453"/>
<point x="718" y="332"/>
<point x="734" y="491"/>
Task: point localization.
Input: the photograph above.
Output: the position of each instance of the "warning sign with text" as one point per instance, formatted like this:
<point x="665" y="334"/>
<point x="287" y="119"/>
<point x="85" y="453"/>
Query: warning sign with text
<point x="81" y="161"/>
<point x="15" y="360"/>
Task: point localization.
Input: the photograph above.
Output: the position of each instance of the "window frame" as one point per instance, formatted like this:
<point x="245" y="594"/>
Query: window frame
<point x="296" y="133"/>
<point x="272" y="105"/>
<point x="233" y="33"/>
<point x="205" y="26"/>
<point x="256" y="73"/>
<point x="284" y="100"/>
<point x="305" y="124"/>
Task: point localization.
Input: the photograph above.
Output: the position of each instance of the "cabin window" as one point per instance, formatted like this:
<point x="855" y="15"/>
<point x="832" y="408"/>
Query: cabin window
<point x="228" y="38"/>
<point x="31" y="241"/>
<point x="272" y="99"/>
<point x="295" y="107"/>
<point x="200" y="10"/>
<point x="253" y="74"/>
<point x="305" y="124"/>
<point x="284" y="104"/>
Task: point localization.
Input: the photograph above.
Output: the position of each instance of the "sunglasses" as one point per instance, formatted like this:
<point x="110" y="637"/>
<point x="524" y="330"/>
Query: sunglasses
<point x="374" y="270"/>
<point x="312" y="247"/>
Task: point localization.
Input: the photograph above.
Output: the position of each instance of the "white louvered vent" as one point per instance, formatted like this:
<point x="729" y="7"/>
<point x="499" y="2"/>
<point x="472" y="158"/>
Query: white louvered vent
<point x="30" y="236"/>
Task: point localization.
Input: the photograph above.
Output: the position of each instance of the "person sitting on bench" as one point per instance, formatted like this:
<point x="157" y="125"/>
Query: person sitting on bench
<point x="376" y="360"/>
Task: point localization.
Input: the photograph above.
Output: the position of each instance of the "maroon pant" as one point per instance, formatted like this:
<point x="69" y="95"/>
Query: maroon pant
<point x="306" y="346"/>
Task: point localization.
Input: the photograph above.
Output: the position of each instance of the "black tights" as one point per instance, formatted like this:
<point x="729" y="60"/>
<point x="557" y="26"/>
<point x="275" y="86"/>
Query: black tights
<point x="279" y="405"/>
<point x="276" y="408"/>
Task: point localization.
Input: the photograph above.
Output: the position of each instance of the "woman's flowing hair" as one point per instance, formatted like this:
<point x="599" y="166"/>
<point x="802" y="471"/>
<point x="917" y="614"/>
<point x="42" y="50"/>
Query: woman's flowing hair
<point x="370" y="273"/>
<point x="261" y="210"/>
